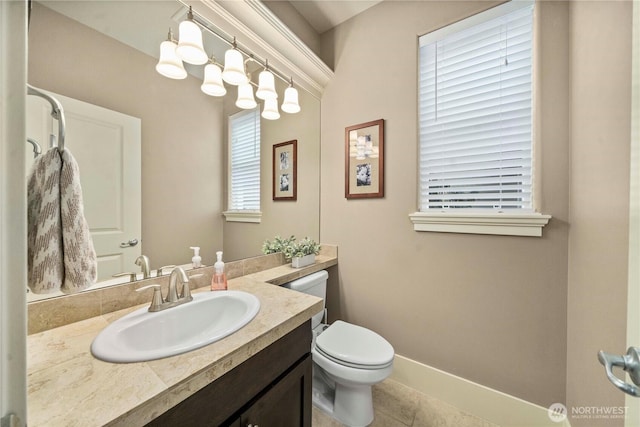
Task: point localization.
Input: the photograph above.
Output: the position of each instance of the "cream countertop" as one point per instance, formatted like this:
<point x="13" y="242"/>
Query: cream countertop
<point x="68" y="387"/>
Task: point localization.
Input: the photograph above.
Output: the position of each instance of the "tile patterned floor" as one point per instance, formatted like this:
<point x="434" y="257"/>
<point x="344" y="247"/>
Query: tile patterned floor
<point x="396" y="405"/>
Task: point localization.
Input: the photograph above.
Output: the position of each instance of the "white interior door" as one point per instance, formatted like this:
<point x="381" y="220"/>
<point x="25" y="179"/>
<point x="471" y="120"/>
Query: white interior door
<point x="106" y="144"/>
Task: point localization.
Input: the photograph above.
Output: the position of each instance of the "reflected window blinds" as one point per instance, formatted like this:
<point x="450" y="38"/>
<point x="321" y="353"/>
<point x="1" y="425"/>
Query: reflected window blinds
<point x="244" y="162"/>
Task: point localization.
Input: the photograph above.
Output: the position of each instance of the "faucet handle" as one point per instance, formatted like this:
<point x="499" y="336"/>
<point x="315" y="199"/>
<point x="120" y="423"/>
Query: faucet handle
<point x="132" y="276"/>
<point x="160" y="270"/>
<point x="157" y="300"/>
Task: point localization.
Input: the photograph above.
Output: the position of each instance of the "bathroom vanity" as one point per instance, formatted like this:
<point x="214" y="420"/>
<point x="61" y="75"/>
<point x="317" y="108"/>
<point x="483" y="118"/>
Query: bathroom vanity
<point x="273" y="388"/>
<point x="259" y="375"/>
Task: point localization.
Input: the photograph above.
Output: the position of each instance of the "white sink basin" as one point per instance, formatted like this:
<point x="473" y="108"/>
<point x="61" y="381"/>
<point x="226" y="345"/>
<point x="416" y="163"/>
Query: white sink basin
<point x="141" y="335"/>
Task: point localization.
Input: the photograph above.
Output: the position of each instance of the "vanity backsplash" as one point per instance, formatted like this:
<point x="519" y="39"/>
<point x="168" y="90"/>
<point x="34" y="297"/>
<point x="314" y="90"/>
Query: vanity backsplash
<point x="54" y="312"/>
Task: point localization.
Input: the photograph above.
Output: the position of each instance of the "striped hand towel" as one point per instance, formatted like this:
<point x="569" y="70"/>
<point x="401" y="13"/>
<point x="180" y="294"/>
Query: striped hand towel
<point x="61" y="256"/>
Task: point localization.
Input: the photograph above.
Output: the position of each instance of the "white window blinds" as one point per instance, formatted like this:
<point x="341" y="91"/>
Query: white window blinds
<point x="244" y="162"/>
<point x="475" y="113"/>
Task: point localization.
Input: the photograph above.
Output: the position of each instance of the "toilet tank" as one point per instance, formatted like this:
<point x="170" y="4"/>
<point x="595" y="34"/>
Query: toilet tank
<point x="314" y="284"/>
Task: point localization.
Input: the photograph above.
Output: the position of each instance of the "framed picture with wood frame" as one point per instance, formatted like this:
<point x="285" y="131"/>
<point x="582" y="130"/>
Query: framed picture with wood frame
<point x="285" y="171"/>
<point x="364" y="160"/>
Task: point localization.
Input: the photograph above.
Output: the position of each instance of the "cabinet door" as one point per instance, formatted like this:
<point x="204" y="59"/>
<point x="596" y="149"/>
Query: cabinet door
<point x="287" y="403"/>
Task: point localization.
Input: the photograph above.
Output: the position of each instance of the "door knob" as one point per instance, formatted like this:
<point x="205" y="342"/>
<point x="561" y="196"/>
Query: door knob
<point x="630" y="362"/>
<point x="129" y="244"/>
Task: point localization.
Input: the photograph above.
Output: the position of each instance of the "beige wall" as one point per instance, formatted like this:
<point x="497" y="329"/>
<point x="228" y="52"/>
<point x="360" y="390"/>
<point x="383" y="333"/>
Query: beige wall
<point x="290" y="16"/>
<point x="182" y="153"/>
<point x="300" y="218"/>
<point x="601" y="105"/>
<point x="491" y="309"/>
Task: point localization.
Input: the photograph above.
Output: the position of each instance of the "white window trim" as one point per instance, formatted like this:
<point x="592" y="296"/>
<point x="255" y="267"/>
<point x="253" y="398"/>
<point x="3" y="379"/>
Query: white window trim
<point x="243" y="216"/>
<point x="504" y="224"/>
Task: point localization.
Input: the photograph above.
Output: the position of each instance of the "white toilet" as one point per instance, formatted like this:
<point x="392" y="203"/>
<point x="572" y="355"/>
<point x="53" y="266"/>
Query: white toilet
<point x="347" y="361"/>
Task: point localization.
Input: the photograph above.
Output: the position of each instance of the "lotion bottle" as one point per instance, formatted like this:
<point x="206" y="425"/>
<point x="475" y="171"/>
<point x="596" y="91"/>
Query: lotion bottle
<point x="219" y="280"/>
<point x="196" y="261"/>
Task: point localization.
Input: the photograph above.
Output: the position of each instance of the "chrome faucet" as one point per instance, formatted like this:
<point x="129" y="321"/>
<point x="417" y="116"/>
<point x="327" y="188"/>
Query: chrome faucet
<point x="158" y="303"/>
<point x="178" y="274"/>
<point x="143" y="261"/>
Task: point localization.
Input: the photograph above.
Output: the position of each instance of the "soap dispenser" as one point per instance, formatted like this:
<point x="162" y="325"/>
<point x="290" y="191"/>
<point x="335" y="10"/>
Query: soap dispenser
<point x="196" y="261"/>
<point x="219" y="280"/>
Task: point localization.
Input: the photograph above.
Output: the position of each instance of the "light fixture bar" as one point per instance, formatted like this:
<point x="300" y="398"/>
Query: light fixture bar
<point x="203" y="23"/>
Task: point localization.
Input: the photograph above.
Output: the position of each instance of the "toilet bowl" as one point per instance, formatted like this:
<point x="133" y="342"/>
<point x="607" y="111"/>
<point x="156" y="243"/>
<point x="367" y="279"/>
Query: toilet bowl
<point x="347" y="360"/>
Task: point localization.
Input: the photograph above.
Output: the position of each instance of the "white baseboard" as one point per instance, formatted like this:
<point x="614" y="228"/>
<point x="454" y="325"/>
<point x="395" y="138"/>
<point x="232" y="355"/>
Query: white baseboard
<point x="475" y="399"/>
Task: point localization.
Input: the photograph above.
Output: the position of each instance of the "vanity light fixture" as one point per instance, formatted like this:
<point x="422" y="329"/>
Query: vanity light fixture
<point x="270" y="110"/>
<point x="190" y="48"/>
<point x="245" y="97"/>
<point x="266" y="86"/>
<point x="212" y="84"/>
<point x="234" y="72"/>
<point x="169" y="64"/>
<point x="290" y="104"/>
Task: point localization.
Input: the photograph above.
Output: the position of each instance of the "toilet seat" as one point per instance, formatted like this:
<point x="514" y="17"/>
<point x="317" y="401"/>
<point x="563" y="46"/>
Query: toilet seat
<point x="354" y="346"/>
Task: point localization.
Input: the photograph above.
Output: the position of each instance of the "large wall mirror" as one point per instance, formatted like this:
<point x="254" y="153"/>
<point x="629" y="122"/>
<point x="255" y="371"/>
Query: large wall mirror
<point x="103" y="54"/>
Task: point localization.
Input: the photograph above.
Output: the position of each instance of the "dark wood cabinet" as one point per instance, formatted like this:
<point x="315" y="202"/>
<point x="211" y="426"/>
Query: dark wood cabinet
<point x="286" y="404"/>
<point x="272" y="388"/>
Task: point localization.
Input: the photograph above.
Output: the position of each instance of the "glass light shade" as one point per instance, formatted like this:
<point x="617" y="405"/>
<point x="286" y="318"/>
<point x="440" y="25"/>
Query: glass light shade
<point x="169" y="64"/>
<point x="290" y="103"/>
<point x="212" y="84"/>
<point x="270" y="110"/>
<point x="245" y="97"/>
<point x="234" y="68"/>
<point x="266" y="87"/>
<point x="190" y="47"/>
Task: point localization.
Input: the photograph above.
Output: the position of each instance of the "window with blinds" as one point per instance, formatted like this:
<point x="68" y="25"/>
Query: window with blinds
<point x="475" y="112"/>
<point x="244" y="161"/>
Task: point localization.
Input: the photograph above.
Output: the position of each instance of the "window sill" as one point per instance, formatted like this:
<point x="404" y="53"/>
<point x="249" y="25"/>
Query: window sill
<point x="505" y="224"/>
<point x="243" y="216"/>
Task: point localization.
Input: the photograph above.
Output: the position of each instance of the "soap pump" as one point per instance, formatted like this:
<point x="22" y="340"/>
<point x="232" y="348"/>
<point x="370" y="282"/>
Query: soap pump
<point x="219" y="280"/>
<point x="196" y="260"/>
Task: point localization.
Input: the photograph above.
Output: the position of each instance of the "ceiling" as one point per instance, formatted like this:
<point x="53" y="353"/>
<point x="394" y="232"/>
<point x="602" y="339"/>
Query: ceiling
<point x="323" y="15"/>
<point x="143" y="24"/>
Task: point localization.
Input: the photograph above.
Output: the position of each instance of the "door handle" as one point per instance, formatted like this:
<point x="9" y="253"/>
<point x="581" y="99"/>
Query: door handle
<point x="129" y="244"/>
<point x="629" y="362"/>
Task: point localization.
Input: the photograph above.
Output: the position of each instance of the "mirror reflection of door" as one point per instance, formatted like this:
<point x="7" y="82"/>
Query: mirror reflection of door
<point x="106" y="144"/>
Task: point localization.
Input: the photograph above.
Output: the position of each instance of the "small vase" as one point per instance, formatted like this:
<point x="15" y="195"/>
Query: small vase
<point x="297" y="262"/>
